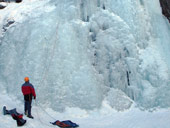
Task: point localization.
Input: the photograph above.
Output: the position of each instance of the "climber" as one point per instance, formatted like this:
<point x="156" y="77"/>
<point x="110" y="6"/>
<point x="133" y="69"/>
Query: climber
<point x="28" y="92"/>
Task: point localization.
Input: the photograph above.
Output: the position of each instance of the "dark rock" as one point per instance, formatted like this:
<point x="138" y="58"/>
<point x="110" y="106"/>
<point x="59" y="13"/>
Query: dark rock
<point x="9" y="23"/>
<point x="2" y="6"/>
<point x="8" y="1"/>
<point x="165" y="4"/>
<point x="18" y="1"/>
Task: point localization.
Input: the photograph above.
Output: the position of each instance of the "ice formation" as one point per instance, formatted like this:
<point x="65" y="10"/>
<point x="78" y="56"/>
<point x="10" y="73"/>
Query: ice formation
<point x="77" y="52"/>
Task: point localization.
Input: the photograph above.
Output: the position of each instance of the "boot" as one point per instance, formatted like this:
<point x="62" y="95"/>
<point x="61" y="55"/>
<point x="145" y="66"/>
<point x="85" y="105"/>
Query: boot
<point x="4" y="110"/>
<point x="30" y="116"/>
<point x="26" y="113"/>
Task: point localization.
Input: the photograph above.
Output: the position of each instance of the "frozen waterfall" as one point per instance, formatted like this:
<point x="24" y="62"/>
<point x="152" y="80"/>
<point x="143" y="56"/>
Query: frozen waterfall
<point x="78" y="53"/>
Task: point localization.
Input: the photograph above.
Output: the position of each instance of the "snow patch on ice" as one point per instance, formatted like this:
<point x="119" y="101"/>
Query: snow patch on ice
<point x="118" y="100"/>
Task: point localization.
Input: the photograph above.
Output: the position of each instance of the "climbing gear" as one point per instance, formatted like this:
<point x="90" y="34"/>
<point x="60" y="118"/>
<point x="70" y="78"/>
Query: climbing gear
<point x="45" y="73"/>
<point x="26" y="79"/>
<point x="15" y="115"/>
<point x="44" y="76"/>
<point x="65" y="124"/>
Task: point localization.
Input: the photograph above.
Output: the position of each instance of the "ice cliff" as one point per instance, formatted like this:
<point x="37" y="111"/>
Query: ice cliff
<point x="78" y="53"/>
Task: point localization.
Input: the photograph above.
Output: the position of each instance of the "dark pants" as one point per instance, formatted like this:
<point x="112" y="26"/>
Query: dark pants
<point x="27" y="107"/>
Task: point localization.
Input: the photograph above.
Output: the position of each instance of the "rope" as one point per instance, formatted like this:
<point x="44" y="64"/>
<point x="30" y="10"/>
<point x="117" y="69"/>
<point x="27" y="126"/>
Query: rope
<point x="40" y="119"/>
<point x="43" y="78"/>
<point x="47" y="69"/>
<point x="44" y="110"/>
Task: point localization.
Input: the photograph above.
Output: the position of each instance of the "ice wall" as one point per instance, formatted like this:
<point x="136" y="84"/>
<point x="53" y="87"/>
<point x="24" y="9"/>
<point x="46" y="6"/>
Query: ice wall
<point x="76" y="52"/>
<point x="53" y="52"/>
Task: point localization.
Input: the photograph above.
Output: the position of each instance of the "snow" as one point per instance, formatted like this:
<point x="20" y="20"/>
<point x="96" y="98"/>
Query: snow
<point x="77" y="55"/>
<point x="104" y="117"/>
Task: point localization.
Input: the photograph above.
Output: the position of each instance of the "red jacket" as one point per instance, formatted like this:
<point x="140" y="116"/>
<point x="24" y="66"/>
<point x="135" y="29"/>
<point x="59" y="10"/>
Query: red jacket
<point x="28" y="88"/>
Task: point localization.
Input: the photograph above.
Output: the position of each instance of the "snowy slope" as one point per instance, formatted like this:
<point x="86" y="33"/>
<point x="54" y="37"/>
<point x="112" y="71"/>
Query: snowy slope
<point x="106" y="117"/>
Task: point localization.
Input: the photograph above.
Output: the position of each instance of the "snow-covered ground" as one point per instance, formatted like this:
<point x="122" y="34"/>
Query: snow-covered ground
<point x="105" y="117"/>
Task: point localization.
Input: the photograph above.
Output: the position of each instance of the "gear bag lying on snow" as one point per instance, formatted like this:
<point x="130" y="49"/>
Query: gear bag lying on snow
<point x="65" y="124"/>
<point x="15" y="115"/>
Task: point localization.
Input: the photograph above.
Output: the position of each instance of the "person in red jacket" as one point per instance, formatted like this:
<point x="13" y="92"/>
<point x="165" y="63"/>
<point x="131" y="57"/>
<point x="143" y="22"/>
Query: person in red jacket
<point x="28" y="92"/>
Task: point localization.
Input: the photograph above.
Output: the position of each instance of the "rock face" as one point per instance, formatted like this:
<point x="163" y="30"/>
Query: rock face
<point x="165" y="4"/>
<point x="2" y="5"/>
<point x="17" y="1"/>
